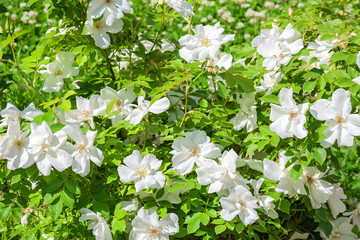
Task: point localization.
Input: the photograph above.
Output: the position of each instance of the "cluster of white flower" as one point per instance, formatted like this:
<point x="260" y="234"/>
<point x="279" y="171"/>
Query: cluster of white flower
<point x="222" y="177"/>
<point x="320" y="50"/>
<point x="47" y="149"/>
<point x="319" y="192"/>
<point x="110" y="14"/>
<point x="205" y="45"/>
<point x="146" y="225"/>
<point x="277" y="47"/>
<point x="58" y="70"/>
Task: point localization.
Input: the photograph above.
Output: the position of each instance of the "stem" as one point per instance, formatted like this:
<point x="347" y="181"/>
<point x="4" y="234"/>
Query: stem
<point x="110" y="67"/>
<point x="187" y="92"/>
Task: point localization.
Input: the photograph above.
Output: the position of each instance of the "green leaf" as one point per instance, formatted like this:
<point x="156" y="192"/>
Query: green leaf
<point x="231" y="80"/>
<point x="67" y="198"/>
<point x="118" y="225"/>
<point x="325" y="227"/>
<point x="65" y="105"/>
<point x="296" y="172"/>
<point x="270" y="99"/>
<point x="275" y="140"/>
<point x="204" y="218"/>
<point x="4" y="212"/>
<point x="193" y="224"/>
<point x="339" y="56"/>
<point x="72" y="187"/>
<point x="56" y="207"/>
<point x="220" y="228"/>
<point x="53" y="185"/>
<point x="176" y="186"/>
<point x="320" y="155"/>
<point x="309" y="86"/>
<point x="119" y="213"/>
<point x="15" y="179"/>
<point x="223" y="92"/>
<point x="110" y="106"/>
<point x="21" y="32"/>
<point x="285" y="206"/>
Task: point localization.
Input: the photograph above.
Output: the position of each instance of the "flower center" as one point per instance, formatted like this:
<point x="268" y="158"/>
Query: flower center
<point x="19" y="143"/>
<point x="241" y="204"/>
<point x="336" y="234"/>
<point x="82" y="148"/>
<point x="57" y="72"/>
<point x="85" y="114"/>
<point x="339" y="120"/>
<point x="118" y="105"/>
<point x="310" y="179"/>
<point x="195" y="152"/>
<point x="109" y="1"/>
<point x="271" y="82"/>
<point x="142" y="106"/>
<point x="281" y="55"/>
<point x="142" y="172"/>
<point x="153" y="232"/>
<point x="205" y="42"/>
<point x="99" y="25"/>
<point x="45" y="148"/>
<point x="292" y="115"/>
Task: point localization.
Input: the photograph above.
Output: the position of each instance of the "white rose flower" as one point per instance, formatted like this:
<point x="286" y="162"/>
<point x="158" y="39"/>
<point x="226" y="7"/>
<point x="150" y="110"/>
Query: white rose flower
<point x="264" y="200"/>
<point x="357" y="80"/>
<point x="247" y="116"/>
<point x="83" y="151"/>
<point x="343" y="126"/>
<point x="143" y="107"/>
<point x="123" y="99"/>
<point x="271" y="79"/>
<point x="277" y="47"/>
<point x="58" y="70"/>
<point x="86" y="110"/>
<point x="240" y="202"/>
<point x="100" y="228"/>
<point x="15" y="147"/>
<point x="319" y="190"/>
<point x="182" y="7"/>
<point x="354" y="215"/>
<point x="146" y="225"/>
<point x="112" y="9"/>
<point x="142" y="171"/>
<point x="205" y="43"/>
<point x="98" y="30"/>
<point x="289" y="118"/>
<point x="221" y="176"/>
<point x="334" y="201"/>
<point x="47" y="148"/>
<point x="342" y="229"/>
<point x="279" y="172"/>
<point x="194" y="148"/>
<point x="11" y="113"/>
